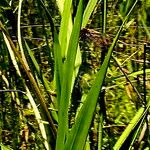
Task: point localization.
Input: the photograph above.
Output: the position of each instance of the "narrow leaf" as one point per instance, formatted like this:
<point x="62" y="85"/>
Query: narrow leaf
<point x="78" y="134"/>
<point x="66" y="24"/>
<point x="67" y="79"/>
<point x="137" y="118"/>
<point x="88" y="11"/>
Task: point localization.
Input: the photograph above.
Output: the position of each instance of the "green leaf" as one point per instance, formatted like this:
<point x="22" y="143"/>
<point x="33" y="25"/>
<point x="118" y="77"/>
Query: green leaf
<point x="58" y="65"/>
<point x="3" y="147"/>
<point x="67" y="79"/>
<point x="57" y="53"/>
<point x="66" y="24"/>
<point x="133" y="74"/>
<point x="88" y="11"/>
<point x="42" y="78"/>
<point x="78" y="134"/>
<point x="132" y="125"/>
<point x="145" y="26"/>
<point x="125" y="7"/>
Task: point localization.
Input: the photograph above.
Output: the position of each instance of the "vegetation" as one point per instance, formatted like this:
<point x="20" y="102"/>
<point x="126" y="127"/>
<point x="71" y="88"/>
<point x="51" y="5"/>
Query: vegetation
<point x="74" y="74"/>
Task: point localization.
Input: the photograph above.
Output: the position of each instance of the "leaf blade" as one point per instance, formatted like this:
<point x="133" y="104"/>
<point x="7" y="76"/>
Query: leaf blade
<point x="77" y="136"/>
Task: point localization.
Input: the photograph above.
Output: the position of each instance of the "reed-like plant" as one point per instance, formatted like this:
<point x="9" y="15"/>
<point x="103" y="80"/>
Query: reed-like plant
<point x="55" y="95"/>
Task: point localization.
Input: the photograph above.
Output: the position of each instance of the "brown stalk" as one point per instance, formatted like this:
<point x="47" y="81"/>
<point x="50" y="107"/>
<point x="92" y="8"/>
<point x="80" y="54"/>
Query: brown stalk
<point x="31" y="79"/>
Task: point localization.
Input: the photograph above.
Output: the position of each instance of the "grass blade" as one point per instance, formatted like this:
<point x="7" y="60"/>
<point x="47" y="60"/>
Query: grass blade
<point x="66" y="24"/>
<point x="3" y="147"/>
<point x="102" y="113"/>
<point x="134" y="74"/>
<point x="57" y="52"/>
<point x="77" y="136"/>
<point x="65" y="32"/>
<point x="28" y="94"/>
<point x="43" y="79"/>
<point x="67" y="79"/>
<point x="88" y="11"/>
<point x="137" y="118"/>
<point x="32" y="80"/>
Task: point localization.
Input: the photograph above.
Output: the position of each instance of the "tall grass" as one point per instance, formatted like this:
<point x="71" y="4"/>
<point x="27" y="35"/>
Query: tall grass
<point x="51" y="97"/>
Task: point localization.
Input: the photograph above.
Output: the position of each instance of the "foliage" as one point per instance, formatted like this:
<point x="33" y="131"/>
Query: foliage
<point x="74" y="74"/>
